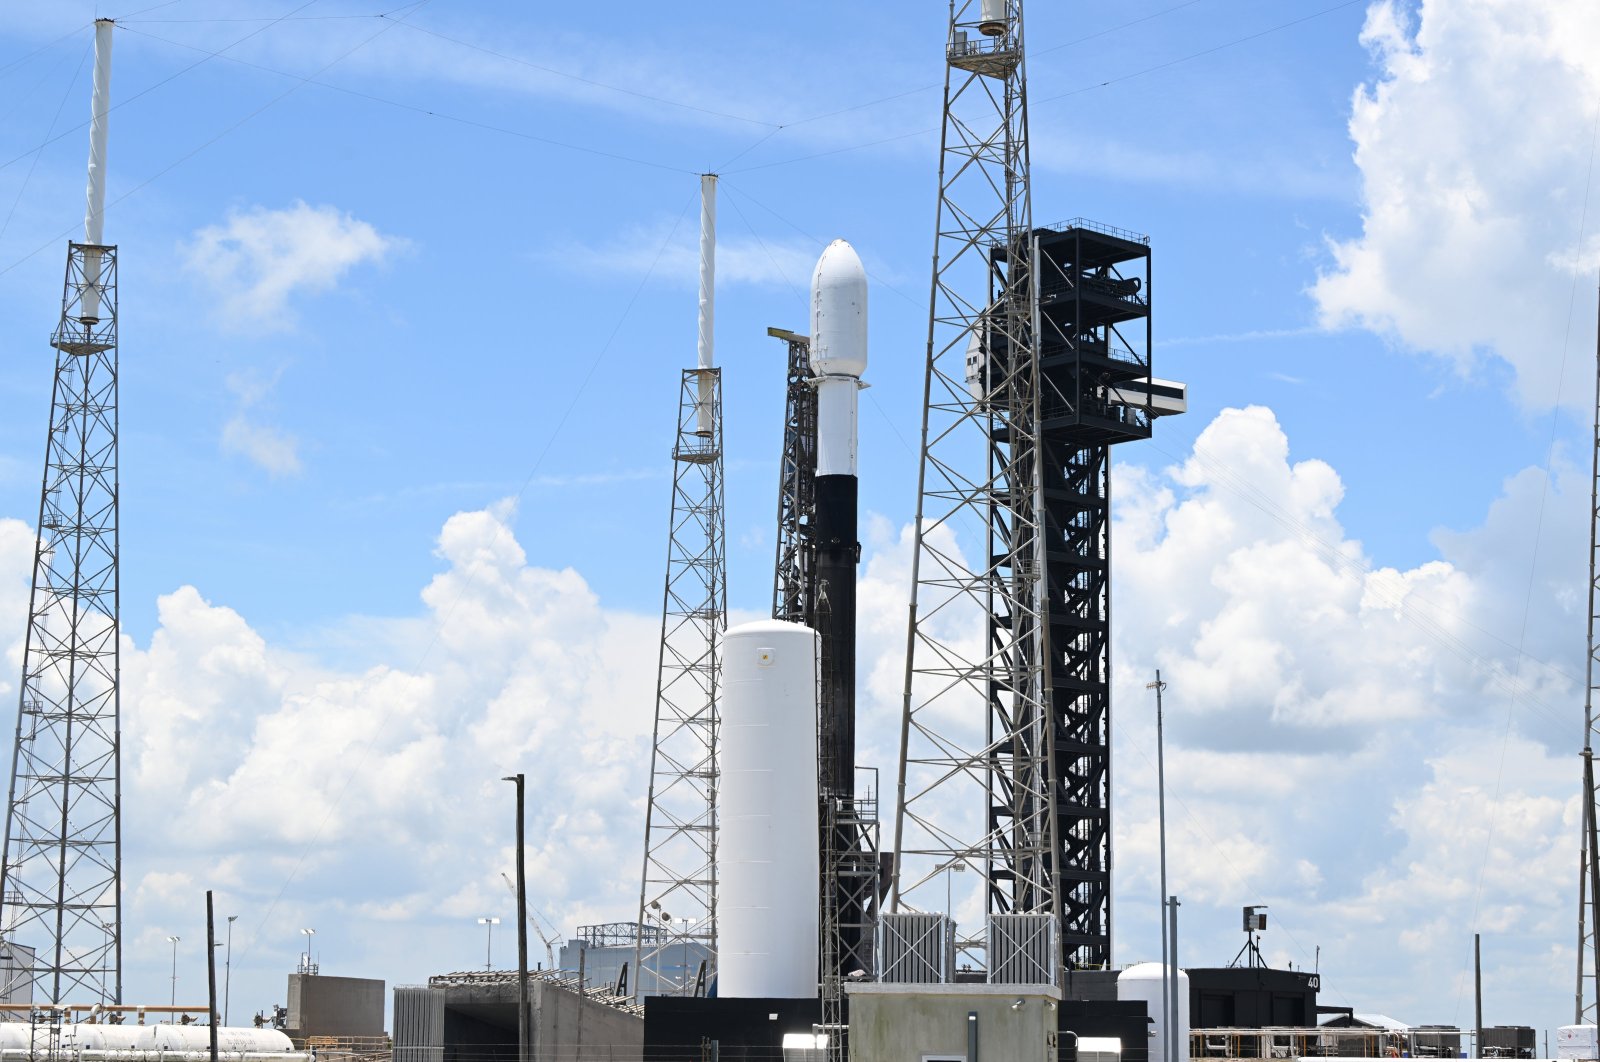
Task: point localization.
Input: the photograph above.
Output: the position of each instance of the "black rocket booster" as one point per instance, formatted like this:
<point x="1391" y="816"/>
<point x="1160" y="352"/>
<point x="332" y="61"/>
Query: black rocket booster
<point x="838" y="358"/>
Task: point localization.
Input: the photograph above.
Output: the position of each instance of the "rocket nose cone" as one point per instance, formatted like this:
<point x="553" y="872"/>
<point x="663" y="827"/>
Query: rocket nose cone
<point x="839" y="264"/>
<point x="839" y="312"/>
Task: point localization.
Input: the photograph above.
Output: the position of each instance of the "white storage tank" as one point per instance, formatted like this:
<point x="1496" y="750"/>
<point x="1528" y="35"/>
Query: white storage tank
<point x="767" y="852"/>
<point x="1143" y="982"/>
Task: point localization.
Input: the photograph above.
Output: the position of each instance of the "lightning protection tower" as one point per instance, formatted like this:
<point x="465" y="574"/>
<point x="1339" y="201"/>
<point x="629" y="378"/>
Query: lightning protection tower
<point x="678" y="894"/>
<point x="1585" y="1008"/>
<point x="1038" y="361"/>
<point x="62" y="871"/>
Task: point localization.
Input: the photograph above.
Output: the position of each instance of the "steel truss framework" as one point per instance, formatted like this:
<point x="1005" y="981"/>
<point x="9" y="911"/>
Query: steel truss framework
<point x="1588" y="980"/>
<point x="678" y="895"/>
<point x="974" y="784"/>
<point x="794" y="573"/>
<point x="1092" y="326"/>
<point x="62" y="871"/>
<point x="1006" y="738"/>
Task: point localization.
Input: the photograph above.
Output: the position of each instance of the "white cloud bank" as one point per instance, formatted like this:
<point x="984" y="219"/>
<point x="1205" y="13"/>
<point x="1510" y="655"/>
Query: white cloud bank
<point x="260" y="259"/>
<point x="1474" y="150"/>
<point x="1355" y="745"/>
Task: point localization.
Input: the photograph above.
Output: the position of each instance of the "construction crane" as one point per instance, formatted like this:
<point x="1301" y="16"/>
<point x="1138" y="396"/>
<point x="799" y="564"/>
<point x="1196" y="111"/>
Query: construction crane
<point x="538" y="922"/>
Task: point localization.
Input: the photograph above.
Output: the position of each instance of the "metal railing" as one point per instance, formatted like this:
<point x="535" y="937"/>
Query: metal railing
<point x="1102" y="228"/>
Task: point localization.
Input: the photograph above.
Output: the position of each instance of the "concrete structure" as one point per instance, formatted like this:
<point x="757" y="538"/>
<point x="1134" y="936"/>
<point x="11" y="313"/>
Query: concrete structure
<point x="473" y="1016"/>
<point x="340" y="1007"/>
<point x="891" y="1023"/>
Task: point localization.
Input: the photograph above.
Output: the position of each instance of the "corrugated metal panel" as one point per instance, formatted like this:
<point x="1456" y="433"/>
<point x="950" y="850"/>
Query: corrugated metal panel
<point x="1022" y="949"/>
<point x="916" y="949"/>
<point x="418" y="1024"/>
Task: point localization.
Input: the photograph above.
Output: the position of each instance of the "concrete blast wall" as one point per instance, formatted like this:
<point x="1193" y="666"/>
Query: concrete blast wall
<point x="334" y="1006"/>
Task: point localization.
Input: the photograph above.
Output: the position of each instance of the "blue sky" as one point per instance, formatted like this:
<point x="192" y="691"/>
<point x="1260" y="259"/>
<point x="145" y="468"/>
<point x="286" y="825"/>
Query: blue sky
<point x="404" y="302"/>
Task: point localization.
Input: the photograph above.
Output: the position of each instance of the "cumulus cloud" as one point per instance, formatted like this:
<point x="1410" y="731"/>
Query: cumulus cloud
<point x="1473" y="145"/>
<point x="260" y="259"/>
<point x="269" y="447"/>
<point x="1362" y="747"/>
<point x="311" y="794"/>
<point x="1357" y="745"/>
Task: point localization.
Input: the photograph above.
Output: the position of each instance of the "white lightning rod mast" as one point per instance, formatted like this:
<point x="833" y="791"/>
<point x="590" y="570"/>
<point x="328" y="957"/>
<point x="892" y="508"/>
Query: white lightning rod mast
<point x="94" y="218"/>
<point x="708" y="294"/>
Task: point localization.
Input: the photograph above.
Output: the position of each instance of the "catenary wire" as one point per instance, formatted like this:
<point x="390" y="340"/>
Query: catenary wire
<point x="73" y="32"/>
<point x="1225" y="479"/>
<point x="22" y="98"/>
<point x="425" y="111"/>
<point x="1169" y="64"/>
<point x="427" y="650"/>
<point x="590" y="81"/>
<point x="151" y="88"/>
<point x="1527" y="606"/>
<point x="72" y="83"/>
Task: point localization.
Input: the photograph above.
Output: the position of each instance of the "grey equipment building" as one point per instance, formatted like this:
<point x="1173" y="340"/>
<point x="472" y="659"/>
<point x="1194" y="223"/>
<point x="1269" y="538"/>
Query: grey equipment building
<point x="472" y="1017"/>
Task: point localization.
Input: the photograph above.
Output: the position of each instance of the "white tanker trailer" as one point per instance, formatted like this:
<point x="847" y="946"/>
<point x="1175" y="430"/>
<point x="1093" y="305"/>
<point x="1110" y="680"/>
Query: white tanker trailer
<point x="92" y="1042"/>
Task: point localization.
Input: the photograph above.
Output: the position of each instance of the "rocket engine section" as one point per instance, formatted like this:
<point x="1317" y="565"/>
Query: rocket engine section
<point x="768" y="864"/>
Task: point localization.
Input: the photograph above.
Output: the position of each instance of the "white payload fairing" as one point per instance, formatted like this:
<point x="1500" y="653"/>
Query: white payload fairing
<point x="838" y="354"/>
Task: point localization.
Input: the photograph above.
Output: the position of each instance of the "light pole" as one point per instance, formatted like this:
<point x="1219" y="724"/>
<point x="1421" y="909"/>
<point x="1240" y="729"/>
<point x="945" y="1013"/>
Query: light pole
<point x="666" y="918"/>
<point x="227" y="969"/>
<point x="683" y="949"/>
<point x="488" y="947"/>
<point x="174" y="941"/>
<point x="307" y="968"/>
<point x="1169" y="984"/>
<point x="960" y="866"/>
<point x="524" y="1054"/>
<point x="107" y="928"/>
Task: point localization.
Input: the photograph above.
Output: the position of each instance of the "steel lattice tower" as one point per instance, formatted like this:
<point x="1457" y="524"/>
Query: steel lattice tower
<point x="1038" y="362"/>
<point x="1585" y="1008"/>
<point x="62" y="871"/>
<point x="678" y="893"/>
<point x="973" y="787"/>
<point x="794" y="572"/>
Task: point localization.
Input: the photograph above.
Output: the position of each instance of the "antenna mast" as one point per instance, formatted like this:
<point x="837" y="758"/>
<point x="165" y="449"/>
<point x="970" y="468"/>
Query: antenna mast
<point x="677" y="926"/>
<point x="61" y="878"/>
